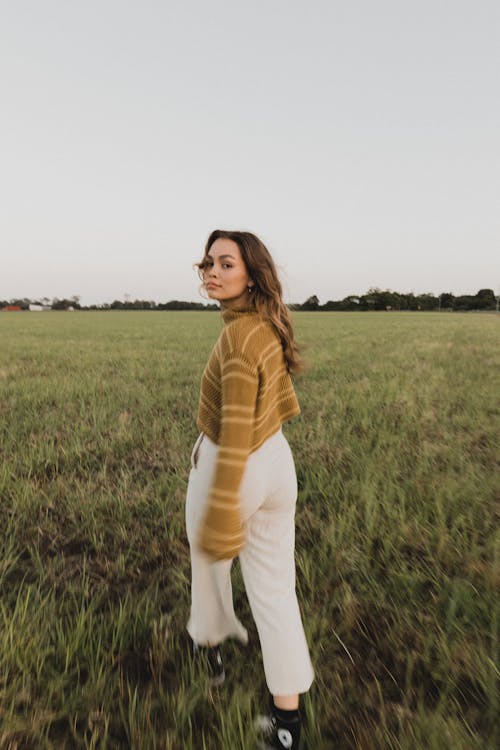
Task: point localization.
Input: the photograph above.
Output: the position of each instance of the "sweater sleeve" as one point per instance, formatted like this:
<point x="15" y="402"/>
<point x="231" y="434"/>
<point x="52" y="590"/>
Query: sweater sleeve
<point x="221" y="533"/>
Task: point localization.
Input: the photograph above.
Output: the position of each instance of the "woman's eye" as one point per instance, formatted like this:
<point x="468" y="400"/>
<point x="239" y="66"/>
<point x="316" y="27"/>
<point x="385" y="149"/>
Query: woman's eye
<point x="224" y="265"/>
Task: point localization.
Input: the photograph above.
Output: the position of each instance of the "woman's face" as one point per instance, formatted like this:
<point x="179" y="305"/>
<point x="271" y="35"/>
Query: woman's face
<point x="226" y="277"/>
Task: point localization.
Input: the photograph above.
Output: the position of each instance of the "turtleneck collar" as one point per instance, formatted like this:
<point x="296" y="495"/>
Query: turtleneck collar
<point x="229" y="314"/>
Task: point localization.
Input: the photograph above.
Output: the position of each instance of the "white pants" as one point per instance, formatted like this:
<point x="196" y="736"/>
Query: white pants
<point x="268" y="495"/>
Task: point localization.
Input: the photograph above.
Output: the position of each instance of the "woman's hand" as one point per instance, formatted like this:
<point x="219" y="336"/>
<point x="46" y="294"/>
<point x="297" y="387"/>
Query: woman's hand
<point x="222" y="534"/>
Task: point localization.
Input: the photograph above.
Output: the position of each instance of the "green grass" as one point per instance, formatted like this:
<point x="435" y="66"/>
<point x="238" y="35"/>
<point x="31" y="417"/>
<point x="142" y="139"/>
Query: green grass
<point x="397" y="543"/>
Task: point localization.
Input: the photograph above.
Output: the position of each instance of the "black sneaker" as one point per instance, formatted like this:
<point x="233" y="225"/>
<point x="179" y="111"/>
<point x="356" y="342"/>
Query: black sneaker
<point x="276" y="733"/>
<point x="212" y="658"/>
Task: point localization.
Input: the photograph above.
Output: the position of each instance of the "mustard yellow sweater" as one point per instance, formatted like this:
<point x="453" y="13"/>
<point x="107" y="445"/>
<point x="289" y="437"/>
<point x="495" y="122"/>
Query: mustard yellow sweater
<point x="246" y="394"/>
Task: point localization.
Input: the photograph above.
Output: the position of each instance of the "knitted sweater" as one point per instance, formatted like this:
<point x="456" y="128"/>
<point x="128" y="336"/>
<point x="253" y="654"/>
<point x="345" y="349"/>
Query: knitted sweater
<point x="246" y="394"/>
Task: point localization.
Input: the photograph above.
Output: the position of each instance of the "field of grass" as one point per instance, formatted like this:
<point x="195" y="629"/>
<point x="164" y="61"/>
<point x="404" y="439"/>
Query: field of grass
<point x="397" y="543"/>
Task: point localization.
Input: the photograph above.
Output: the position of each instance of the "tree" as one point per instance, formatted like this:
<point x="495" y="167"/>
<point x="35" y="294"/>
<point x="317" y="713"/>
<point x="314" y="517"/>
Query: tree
<point x="486" y="299"/>
<point x="311" y="303"/>
<point x="447" y="300"/>
<point x="465" y="302"/>
<point x="427" y="301"/>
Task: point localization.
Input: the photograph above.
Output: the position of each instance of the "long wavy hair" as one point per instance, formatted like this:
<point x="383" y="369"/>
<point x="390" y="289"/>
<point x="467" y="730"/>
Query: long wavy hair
<point x="267" y="292"/>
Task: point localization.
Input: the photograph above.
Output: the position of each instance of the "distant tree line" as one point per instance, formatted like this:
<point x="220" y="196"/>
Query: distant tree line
<point x="379" y="299"/>
<point x="374" y="299"/>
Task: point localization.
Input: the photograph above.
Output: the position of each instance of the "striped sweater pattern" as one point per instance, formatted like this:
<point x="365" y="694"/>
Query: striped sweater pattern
<point x="246" y="394"/>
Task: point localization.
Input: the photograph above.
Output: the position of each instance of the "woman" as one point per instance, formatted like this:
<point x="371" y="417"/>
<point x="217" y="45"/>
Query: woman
<point x="242" y="486"/>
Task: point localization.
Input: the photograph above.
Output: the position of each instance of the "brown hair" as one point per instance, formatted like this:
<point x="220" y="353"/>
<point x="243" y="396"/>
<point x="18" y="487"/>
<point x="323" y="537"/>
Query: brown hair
<point x="267" y="291"/>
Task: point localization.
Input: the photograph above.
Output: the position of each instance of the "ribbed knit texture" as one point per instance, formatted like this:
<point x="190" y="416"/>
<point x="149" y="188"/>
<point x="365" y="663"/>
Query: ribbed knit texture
<point x="246" y="394"/>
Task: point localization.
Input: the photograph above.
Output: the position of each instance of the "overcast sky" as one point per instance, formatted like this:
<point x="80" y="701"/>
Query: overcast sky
<point x="358" y="139"/>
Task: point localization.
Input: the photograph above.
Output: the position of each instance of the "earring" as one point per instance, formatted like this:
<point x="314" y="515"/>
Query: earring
<point x="249" y="289"/>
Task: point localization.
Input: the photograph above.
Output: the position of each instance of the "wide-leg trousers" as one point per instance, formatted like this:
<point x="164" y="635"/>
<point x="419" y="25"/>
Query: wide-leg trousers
<point x="268" y="495"/>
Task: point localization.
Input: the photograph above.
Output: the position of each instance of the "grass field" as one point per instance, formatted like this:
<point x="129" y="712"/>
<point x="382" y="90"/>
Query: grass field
<point x="397" y="543"/>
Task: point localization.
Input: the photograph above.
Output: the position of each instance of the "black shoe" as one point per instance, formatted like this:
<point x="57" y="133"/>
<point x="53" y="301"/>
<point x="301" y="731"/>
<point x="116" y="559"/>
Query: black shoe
<point x="212" y="658"/>
<point x="278" y="733"/>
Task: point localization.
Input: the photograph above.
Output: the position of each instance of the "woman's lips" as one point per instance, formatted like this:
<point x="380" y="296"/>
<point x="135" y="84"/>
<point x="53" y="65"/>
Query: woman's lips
<point x="209" y="286"/>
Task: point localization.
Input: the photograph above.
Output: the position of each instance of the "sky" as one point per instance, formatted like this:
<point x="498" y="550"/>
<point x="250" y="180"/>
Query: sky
<point x="359" y="140"/>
